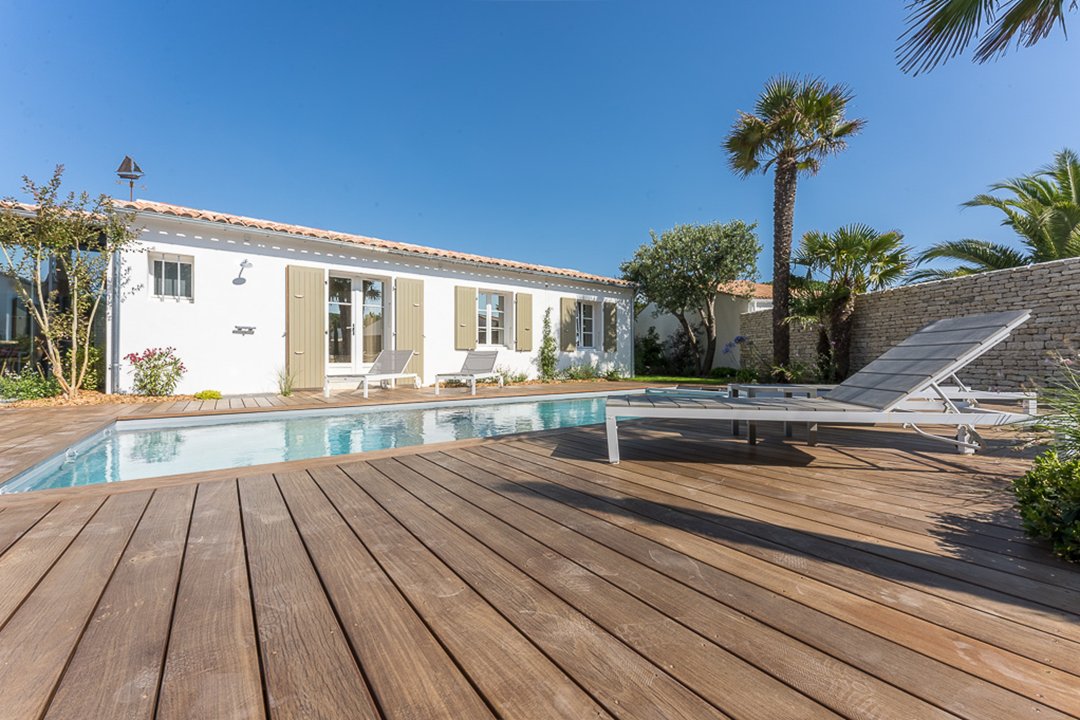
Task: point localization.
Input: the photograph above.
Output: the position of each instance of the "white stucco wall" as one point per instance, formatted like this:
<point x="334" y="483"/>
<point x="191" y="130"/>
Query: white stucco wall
<point x="216" y="358"/>
<point x="728" y="308"/>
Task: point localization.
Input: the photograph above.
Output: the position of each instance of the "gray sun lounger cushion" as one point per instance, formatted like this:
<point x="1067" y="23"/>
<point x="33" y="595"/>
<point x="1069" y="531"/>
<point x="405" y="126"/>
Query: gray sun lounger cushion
<point x="930" y="355"/>
<point x="390" y="362"/>
<point x="478" y="365"/>
<point x="479" y="362"/>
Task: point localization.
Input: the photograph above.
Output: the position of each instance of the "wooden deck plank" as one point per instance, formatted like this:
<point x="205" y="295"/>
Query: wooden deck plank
<point x="212" y="664"/>
<point x="28" y="559"/>
<point x="912" y="569"/>
<point x="890" y="661"/>
<point x="15" y="523"/>
<point x="410" y="674"/>
<point x="627" y="684"/>
<point x="117" y="665"/>
<point x="775" y="462"/>
<point x="514" y="676"/>
<point x="844" y="688"/>
<point x="888" y="534"/>
<point x="308" y="668"/>
<point x="696" y="661"/>
<point x="37" y="642"/>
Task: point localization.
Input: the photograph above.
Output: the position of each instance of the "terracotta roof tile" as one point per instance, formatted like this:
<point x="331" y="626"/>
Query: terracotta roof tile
<point x="758" y="291"/>
<point x="159" y="208"/>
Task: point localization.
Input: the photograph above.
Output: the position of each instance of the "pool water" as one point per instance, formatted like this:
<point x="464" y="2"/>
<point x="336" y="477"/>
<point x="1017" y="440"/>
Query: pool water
<point x="133" y="449"/>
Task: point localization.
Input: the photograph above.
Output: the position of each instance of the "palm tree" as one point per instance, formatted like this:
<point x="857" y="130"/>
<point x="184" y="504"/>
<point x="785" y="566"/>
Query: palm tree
<point x="1042" y="208"/>
<point x="941" y="29"/>
<point x="853" y="260"/>
<point x="797" y="122"/>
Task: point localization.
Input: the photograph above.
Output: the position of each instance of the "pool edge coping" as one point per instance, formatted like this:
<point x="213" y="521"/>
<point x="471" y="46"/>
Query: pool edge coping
<point x="183" y="478"/>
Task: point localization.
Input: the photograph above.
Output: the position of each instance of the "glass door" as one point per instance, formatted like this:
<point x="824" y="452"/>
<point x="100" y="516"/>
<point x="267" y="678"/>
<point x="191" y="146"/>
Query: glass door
<point x="340" y="324"/>
<point x="355" y="322"/>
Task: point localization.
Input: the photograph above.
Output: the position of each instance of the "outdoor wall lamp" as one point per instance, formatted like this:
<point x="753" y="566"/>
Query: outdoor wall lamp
<point x="239" y="279"/>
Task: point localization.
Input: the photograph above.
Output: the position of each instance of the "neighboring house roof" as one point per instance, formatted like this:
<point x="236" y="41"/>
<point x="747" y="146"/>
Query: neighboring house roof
<point x="159" y="208"/>
<point x="745" y="288"/>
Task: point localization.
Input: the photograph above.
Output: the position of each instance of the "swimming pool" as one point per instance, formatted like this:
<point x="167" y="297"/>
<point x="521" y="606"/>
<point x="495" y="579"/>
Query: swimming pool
<point x="134" y="449"/>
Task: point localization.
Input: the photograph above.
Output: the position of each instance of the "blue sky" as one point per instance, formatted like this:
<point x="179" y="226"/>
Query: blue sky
<point x="556" y="132"/>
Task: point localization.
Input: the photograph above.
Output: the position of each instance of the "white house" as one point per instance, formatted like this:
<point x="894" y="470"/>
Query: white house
<point x="733" y="300"/>
<point x="243" y="300"/>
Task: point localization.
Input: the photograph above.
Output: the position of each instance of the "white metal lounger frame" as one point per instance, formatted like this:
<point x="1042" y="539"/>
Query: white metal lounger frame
<point x="389" y="366"/>
<point x="478" y="365"/>
<point x="906" y="408"/>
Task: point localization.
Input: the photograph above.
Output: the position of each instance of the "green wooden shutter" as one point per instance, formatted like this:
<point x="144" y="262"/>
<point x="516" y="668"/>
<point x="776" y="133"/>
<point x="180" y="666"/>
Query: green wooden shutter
<point x="611" y="327"/>
<point x="523" y="320"/>
<point x="464" y="318"/>
<point x="409" y="322"/>
<point x="568" y="324"/>
<point x="305" y="326"/>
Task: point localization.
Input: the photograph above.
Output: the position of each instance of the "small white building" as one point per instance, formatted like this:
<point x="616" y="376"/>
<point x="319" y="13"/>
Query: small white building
<point x="243" y="300"/>
<point x="733" y="300"/>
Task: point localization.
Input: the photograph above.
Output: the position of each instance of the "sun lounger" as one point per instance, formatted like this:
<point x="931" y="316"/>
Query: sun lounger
<point x="901" y="387"/>
<point x="478" y="365"/>
<point x="389" y="366"/>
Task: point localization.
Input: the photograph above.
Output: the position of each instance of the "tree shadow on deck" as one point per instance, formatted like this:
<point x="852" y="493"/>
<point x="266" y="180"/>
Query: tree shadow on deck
<point x="951" y="571"/>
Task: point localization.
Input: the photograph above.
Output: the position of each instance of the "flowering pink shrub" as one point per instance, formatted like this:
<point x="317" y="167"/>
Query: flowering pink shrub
<point x="157" y="370"/>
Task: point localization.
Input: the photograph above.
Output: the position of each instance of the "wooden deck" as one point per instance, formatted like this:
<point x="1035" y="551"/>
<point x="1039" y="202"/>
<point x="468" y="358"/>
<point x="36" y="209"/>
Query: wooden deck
<point x="872" y="576"/>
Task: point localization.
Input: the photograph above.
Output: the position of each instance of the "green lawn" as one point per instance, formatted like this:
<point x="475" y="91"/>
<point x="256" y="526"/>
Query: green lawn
<point x="682" y="380"/>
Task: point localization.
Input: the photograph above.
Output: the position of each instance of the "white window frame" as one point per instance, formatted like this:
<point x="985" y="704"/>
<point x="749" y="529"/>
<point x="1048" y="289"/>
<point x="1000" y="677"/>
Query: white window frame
<point x="178" y="260"/>
<point x="487" y="313"/>
<point x="359" y="304"/>
<point x="581" y="344"/>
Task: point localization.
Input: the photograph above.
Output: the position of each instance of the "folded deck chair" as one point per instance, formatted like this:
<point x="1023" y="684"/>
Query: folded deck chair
<point x="389" y="366"/>
<point x="478" y="365"/>
<point x="888" y="391"/>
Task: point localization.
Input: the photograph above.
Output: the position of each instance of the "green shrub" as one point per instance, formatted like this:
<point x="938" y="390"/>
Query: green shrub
<point x="793" y="372"/>
<point x="649" y="356"/>
<point x="581" y="372"/>
<point x="511" y="377"/>
<point x="1048" y="497"/>
<point x="28" y="384"/>
<point x="1063" y="398"/>
<point x="547" y="361"/>
<point x="614" y="374"/>
<point x="746" y="375"/>
<point x="157" y="371"/>
<point x="207" y="395"/>
<point x="723" y="372"/>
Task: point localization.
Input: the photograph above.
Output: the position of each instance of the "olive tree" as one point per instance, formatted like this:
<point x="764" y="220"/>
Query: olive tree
<point x="680" y="271"/>
<point x="58" y="249"/>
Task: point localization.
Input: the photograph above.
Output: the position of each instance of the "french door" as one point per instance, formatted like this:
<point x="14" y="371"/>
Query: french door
<point x="355" y="322"/>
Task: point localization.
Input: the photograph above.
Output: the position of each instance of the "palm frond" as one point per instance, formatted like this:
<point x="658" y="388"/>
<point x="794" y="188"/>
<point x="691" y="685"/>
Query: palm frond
<point x="1027" y="22"/>
<point x="980" y="255"/>
<point x="938" y="30"/>
<point x="930" y="274"/>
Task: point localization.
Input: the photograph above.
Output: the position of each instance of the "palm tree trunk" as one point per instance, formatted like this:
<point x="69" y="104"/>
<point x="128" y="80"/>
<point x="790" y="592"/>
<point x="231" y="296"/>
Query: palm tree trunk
<point x="842" y="322"/>
<point x="783" y="222"/>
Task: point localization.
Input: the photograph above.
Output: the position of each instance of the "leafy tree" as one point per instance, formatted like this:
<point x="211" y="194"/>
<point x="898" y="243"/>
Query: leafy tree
<point x="59" y="250"/>
<point x="942" y="29"/>
<point x="1042" y="208"/>
<point x="796" y="123"/>
<point x="681" y="271"/>
<point x="853" y="260"/>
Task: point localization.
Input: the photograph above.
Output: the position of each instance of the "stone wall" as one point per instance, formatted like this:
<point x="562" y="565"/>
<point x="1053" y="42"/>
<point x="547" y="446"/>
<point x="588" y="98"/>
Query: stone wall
<point x="1050" y="290"/>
